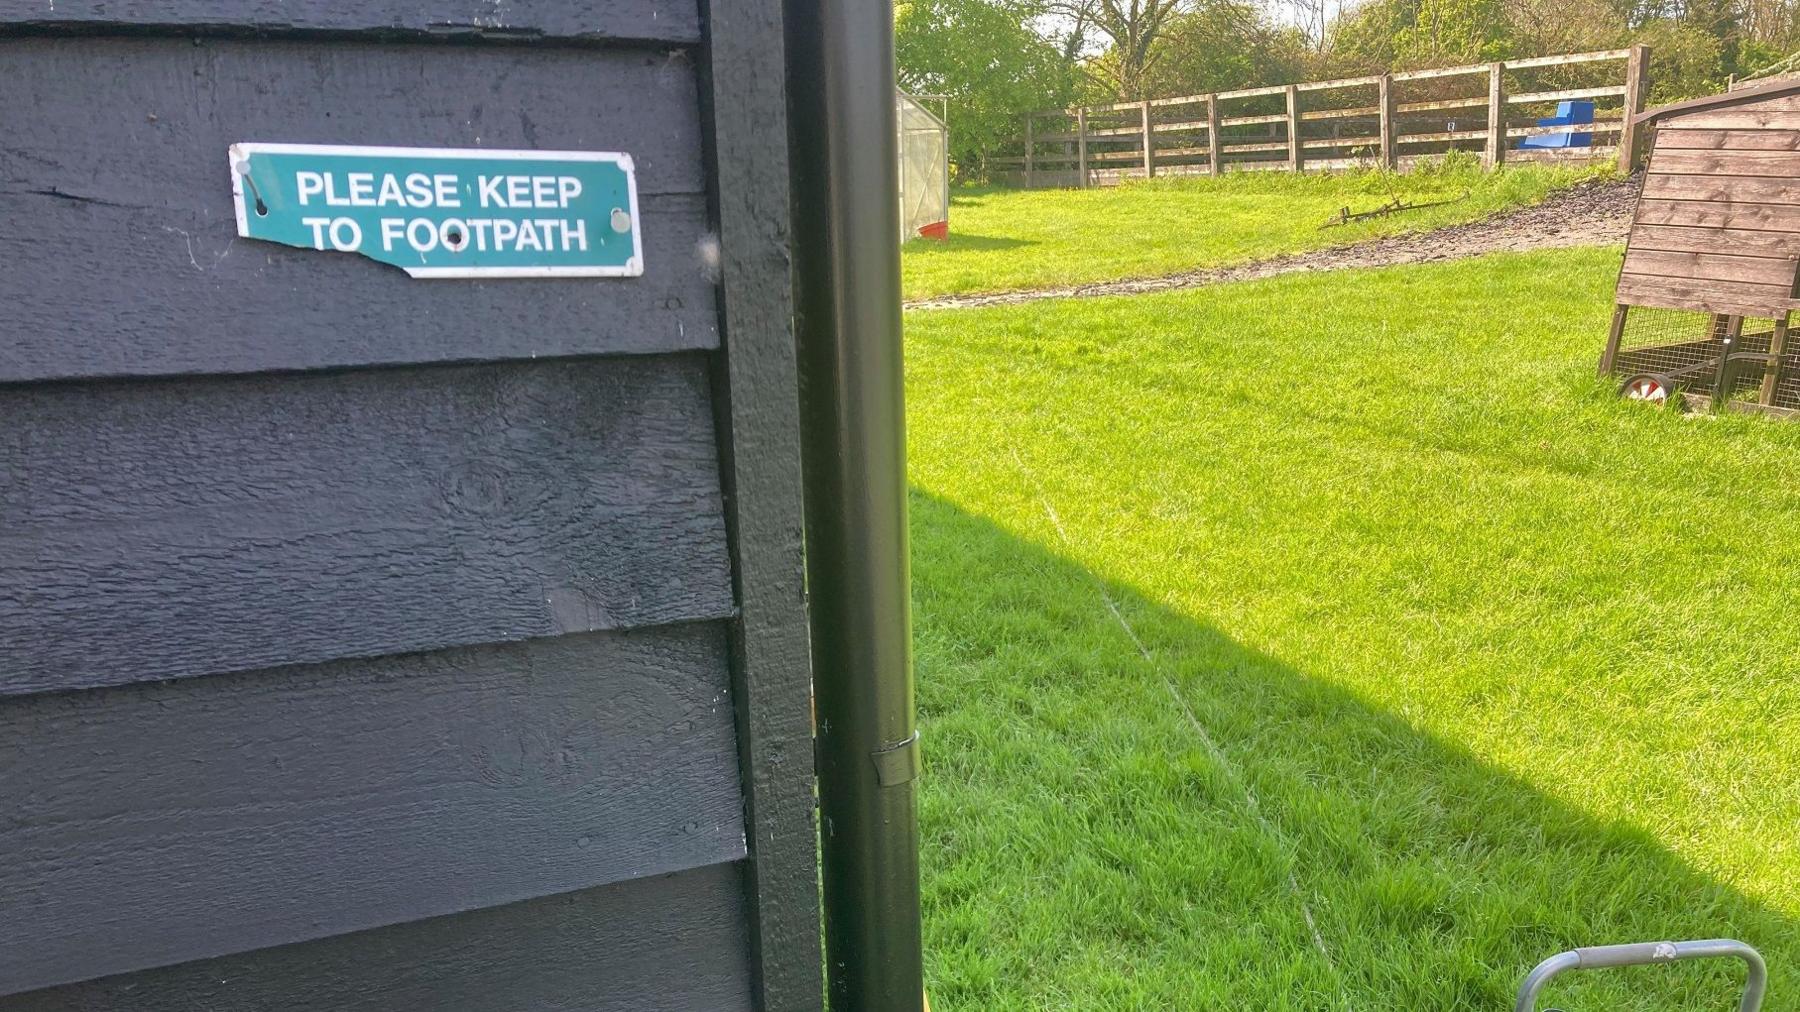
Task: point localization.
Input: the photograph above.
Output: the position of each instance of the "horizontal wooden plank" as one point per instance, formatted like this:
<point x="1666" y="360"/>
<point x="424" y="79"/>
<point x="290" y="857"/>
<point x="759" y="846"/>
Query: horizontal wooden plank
<point x="1231" y="121"/>
<point x="667" y="943"/>
<point x="1670" y="137"/>
<point x="156" y="824"/>
<point x="1232" y="149"/>
<point x="1479" y="102"/>
<point x="1537" y="97"/>
<point x="1104" y="157"/>
<point x="1712" y="297"/>
<point x="1788" y="102"/>
<point x="1575" y="156"/>
<point x="585" y="20"/>
<point x="1570" y="58"/>
<point x="1441" y="135"/>
<point x="121" y="245"/>
<point x="1340" y="163"/>
<point x="1432" y="74"/>
<point x="1275" y="89"/>
<point x="1719" y="214"/>
<point x="1360" y="111"/>
<point x="186" y="527"/>
<point x="1711" y="267"/>
<point x="1722" y="188"/>
<point x="1339" y="144"/>
<point x="1744" y="117"/>
<point x="1693" y="239"/>
<point x="1124" y="131"/>
<point x="1725" y="163"/>
<point x="1757" y="292"/>
<point x="1604" y="126"/>
<point x="1177" y="154"/>
<point x="1342" y="82"/>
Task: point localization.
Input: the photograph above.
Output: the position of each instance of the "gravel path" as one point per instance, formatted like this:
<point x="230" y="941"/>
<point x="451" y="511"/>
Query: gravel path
<point x="1587" y="214"/>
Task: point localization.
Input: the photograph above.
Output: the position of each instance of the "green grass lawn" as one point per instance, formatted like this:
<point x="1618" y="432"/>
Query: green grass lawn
<point x="1005" y="240"/>
<point x="1440" y="659"/>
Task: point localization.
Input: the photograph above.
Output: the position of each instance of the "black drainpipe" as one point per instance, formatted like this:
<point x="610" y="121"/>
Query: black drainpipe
<point x="847" y="267"/>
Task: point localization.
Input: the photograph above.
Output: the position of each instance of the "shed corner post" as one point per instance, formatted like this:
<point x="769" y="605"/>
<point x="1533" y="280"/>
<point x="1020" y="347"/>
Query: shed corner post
<point x="1496" y="139"/>
<point x="844" y="146"/>
<point x="754" y="375"/>
<point x="1637" y="87"/>
<point x="1385" y="95"/>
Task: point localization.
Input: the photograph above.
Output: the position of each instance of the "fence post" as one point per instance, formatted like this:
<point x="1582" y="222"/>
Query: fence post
<point x="1149" y="141"/>
<point x="1496" y="140"/>
<point x="1295" y="161"/>
<point x="1213" y="165"/>
<point x="1081" y="147"/>
<point x="1030" y="149"/>
<point x="1635" y="87"/>
<point x="1385" y="88"/>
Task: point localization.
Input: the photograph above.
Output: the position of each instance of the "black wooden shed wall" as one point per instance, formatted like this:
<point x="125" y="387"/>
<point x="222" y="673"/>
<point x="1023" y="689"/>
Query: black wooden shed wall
<point x="368" y="642"/>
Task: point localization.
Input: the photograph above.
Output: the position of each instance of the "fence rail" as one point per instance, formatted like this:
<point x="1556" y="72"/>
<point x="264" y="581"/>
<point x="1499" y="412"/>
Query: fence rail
<point x="1345" y="123"/>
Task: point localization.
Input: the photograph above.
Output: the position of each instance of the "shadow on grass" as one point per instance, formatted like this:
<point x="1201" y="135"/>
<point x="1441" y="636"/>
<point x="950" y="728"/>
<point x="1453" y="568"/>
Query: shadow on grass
<point x="1162" y="818"/>
<point x="963" y="241"/>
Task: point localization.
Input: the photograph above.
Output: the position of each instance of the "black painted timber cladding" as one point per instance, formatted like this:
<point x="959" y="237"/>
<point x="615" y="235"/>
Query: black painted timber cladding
<point x="626" y="21"/>
<point x="182" y="527"/>
<point x="665" y="944"/>
<point x="114" y="157"/>
<point x="368" y="642"/>
<point x="187" y="819"/>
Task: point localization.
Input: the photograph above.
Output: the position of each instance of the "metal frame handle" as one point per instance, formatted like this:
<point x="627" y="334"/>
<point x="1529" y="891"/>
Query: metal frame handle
<point x="1644" y="954"/>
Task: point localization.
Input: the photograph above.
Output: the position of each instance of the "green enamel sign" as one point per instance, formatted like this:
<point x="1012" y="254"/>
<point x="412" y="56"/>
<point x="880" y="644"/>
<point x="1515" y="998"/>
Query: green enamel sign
<point x="446" y="212"/>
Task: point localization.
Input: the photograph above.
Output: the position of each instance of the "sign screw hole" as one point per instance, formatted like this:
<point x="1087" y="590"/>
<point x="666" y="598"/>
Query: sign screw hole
<point x="262" y="209"/>
<point x="454" y="239"/>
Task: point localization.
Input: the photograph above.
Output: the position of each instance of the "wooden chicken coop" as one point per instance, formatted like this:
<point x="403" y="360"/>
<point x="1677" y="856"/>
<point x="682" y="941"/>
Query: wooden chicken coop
<point x="1710" y="268"/>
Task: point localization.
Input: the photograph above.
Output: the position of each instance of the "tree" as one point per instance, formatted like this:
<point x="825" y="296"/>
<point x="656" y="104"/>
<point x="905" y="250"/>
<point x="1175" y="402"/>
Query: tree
<point x="1545" y="27"/>
<point x="1719" y="19"/>
<point x="1219" y="45"/>
<point x="988" y="60"/>
<point x="1133" y="28"/>
<point x="1685" y="60"/>
<point x="1387" y="34"/>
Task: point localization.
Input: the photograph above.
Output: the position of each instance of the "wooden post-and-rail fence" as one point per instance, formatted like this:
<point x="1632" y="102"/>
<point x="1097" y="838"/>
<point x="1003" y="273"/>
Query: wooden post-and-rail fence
<point x="1391" y="120"/>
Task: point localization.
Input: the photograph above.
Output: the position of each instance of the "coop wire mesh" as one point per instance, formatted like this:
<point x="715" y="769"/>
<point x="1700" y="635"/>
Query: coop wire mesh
<point x="1684" y="346"/>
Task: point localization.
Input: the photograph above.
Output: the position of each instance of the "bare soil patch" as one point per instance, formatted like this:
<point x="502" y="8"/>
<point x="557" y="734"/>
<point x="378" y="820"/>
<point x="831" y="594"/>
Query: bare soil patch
<point x="1588" y="214"/>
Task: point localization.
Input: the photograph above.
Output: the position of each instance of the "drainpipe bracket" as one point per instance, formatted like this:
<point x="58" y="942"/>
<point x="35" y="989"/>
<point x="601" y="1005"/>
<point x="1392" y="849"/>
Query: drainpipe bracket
<point x="898" y="763"/>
